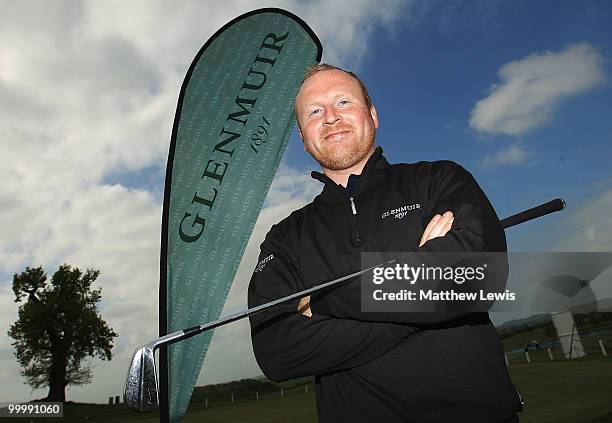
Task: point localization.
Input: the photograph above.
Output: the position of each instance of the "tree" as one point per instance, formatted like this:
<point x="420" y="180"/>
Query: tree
<point x="58" y="327"/>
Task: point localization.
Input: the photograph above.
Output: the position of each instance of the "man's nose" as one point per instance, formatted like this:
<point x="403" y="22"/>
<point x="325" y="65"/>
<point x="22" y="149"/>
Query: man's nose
<point x="331" y="116"/>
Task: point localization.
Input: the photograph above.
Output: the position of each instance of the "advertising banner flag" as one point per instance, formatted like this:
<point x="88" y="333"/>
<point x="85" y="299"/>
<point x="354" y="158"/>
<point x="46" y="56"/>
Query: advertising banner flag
<point x="232" y="123"/>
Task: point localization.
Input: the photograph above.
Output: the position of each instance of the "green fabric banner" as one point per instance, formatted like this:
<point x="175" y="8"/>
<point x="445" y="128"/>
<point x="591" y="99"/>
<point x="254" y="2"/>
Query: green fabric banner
<point x="233" y="120"/>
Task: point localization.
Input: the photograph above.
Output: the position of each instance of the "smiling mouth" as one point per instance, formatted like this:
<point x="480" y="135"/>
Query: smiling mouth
<point x="336" y="134"/>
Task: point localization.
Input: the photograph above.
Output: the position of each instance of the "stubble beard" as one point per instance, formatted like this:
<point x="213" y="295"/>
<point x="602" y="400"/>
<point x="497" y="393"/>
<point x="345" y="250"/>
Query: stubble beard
<point x="345" y="154"/>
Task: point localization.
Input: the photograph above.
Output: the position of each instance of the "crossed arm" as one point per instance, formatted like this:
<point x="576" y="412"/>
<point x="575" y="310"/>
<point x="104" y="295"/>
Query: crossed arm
<point x="290" y="341"/>
<point x="438" y="226"/>
<point x="288" y="344"/>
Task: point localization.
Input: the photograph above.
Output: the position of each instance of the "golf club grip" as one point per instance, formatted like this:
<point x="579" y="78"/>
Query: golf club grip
<point x="533" y="213"/>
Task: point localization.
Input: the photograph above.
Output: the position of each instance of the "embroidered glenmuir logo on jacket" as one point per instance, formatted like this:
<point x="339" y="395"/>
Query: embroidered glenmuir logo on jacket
<point x="263" y="262"/>
<point x="400" y="212"/>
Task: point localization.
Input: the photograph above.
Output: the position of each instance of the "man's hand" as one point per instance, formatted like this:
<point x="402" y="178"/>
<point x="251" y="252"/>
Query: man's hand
<point x="438" y="226"/>
<point x="304" y="306"/>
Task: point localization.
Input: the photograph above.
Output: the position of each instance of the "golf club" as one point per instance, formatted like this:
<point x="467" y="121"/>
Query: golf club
<point x="141" y="386"/>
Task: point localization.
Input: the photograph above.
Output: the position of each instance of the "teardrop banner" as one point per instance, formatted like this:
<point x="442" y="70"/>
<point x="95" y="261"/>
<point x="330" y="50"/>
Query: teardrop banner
<point x="232" y="123"/>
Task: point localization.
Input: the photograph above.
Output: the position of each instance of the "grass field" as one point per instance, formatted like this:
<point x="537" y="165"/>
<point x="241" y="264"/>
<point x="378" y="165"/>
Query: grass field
<point x="576" y="391"/>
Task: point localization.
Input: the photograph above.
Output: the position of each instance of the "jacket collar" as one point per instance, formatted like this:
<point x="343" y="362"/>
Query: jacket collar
<point x="375" y="162"/>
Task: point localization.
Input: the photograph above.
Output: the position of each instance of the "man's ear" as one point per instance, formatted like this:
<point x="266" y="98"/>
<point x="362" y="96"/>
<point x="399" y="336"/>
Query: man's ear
<point x="374" y="115"/>
<point x="301" y="136"/>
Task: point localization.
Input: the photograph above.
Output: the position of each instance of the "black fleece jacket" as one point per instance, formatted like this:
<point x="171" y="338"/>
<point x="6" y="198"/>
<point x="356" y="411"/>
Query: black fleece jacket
<point x="410" y="367"/>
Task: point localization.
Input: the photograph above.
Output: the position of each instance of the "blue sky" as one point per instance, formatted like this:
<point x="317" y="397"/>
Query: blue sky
<point x="426" y="78"/>
<point x="518" y="92"/>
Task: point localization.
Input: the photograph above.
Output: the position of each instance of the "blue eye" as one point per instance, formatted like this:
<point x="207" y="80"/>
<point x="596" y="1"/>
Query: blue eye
<point x="314" y="112"/>
<point x="343" y="102"/>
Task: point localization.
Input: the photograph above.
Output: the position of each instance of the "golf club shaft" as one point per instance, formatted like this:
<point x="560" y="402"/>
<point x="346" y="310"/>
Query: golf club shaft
<point x="188" y="333"/>
<point x="543" y="209"/>
<point x="533" y="213"/>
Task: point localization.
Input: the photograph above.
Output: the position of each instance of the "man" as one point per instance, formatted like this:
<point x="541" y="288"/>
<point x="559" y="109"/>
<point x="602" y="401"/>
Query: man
<point x="441" y="368"/>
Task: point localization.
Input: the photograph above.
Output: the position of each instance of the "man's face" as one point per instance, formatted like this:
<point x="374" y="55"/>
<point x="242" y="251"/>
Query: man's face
<point x="337" y="126"/>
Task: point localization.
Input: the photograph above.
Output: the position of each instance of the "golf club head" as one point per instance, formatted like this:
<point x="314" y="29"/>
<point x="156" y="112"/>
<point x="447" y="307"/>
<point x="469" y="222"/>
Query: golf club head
<point x="141" y="389"/>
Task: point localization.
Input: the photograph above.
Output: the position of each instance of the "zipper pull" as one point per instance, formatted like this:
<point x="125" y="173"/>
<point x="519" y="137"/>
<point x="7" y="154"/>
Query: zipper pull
<point x="356" y="239"/>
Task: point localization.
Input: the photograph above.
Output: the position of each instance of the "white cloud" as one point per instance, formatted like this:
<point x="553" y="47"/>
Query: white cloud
<point x="88" y="90"/>
<point x="345" y="26"/>
<point x="104" y="235"/>
<point x="9" y="368"/>
<point x="589" y="228"/>
<point x="532" y="88"/>
<point x="514" y="154"/>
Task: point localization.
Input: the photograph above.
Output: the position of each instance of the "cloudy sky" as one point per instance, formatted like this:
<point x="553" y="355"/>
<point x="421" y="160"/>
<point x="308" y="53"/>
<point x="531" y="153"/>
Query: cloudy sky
<point x="516" y="91"/>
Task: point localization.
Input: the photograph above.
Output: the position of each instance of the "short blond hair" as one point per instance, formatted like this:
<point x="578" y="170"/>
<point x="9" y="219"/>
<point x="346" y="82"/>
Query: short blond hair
<point x="324" y="67"/>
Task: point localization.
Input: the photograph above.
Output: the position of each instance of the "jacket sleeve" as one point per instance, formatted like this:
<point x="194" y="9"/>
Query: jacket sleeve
<point x="288" y="344"/>
<point x="476" y="226"/>
<point x="443" y="186"/>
